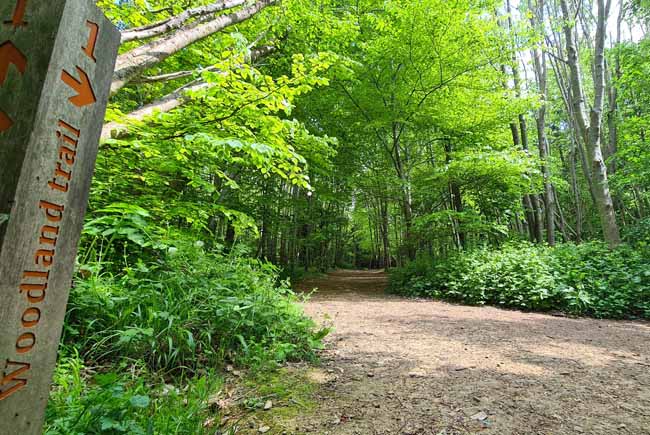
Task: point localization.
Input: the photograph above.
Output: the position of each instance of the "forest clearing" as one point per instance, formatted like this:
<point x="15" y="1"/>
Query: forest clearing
<point x="464" y="183"/>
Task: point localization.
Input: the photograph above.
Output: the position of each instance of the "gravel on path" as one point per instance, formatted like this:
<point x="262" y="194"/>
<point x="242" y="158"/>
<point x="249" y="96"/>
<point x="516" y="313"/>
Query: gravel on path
<point x="403" y="366"/>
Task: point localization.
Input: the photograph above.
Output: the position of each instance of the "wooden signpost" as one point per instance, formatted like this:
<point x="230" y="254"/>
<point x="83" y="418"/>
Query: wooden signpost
<point x="56" y="62"/>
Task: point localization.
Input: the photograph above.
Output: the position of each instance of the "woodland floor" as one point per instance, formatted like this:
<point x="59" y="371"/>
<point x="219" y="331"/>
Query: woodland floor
<point x="400" y="366"/>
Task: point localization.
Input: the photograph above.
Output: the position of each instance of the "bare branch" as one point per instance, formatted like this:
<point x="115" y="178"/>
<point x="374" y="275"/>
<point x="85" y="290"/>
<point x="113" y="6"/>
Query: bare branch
<point x="176" y="22"/>
<point x="171" y="76"/>
<point x="132" y="63"/>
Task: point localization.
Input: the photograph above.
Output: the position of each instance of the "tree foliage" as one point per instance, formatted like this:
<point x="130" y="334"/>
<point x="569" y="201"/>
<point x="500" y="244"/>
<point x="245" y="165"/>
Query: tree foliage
<point x="487" y="149"/>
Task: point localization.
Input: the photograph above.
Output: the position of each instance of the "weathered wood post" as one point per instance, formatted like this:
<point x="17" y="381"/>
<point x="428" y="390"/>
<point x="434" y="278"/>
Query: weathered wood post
<point x="56" y="62"/>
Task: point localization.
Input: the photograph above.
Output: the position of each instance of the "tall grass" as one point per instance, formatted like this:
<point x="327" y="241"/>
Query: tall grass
<point x="192" y="309"/>
<point x="142" y="348"/>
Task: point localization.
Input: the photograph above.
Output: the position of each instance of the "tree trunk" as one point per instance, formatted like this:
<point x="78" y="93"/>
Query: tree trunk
<point x="612" y="114"/>
<point x="531" y="202"/>
<point x="590" y="126"/>
<point x="529" y="212"/>
<point x="536" y="204"/>
<point x="407" y="200"/>
<point x="541" y="74"/>
<point x="456" y="201"/>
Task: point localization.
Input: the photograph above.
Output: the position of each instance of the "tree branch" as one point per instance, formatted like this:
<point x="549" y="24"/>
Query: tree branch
<point x="172" y="76"/>
<point x="132" y="63"/>
<point x="169" y="102"/>
<point x="164" y="26"/>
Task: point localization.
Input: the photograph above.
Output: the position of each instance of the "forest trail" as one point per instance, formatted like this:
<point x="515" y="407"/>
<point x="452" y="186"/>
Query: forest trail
<point x="400" y="366"/>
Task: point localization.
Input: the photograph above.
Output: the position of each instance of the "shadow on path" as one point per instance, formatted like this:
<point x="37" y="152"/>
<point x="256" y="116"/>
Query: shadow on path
<point x="401" y="366"/>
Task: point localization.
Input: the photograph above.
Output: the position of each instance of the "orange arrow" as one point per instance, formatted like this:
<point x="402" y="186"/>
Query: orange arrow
<point x="89" y="48"/>
<point x="83" y="88"/>
<point x="5" y="122"/>
<point x="9" y="54"/>
<point x="19" y="14"/>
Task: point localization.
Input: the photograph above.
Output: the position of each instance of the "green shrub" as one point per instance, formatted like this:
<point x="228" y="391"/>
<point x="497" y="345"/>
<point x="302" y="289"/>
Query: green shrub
<point x="165" y="327"/>
<point x="604" y="282"/>
<point x="586" y="279"/>
<point x="110" y="403"/>
<point x="193" y="309"/>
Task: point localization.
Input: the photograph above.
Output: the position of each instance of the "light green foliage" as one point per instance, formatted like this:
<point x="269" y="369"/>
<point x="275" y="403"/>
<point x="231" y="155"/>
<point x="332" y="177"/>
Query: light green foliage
<point x="416" y="59"/>
<point x="492" y="183"/>
<point x="179" y="164"/>
<point x="633" y="158"/>
<point x="419" y="79"/>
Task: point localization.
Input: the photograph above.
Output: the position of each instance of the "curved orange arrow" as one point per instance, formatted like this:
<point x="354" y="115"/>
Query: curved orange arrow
<point x="5" y="122"/>
<point x="9" y="55"/>
<point x="83" y="88"/>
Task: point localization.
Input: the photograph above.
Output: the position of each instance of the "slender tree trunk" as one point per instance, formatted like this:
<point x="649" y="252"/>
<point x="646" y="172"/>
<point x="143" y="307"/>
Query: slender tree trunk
<point x="532" y="205"/>
<point x="590" y="126"/>
<point x="638" y="198"/>
<point x="529" y="212"/>
<point x="612" y="114"/>
<point x="384" y="233"/>
<point x="407" y="201"/>
<point x="456" y="201"/>
<point x="371" y="229"/>
<point x="536" y="204"/>
<point x="560" y="214"/>
<point x="549" y="198"/>
<point x="575" y="188"/>
<point x="541" y="74"/>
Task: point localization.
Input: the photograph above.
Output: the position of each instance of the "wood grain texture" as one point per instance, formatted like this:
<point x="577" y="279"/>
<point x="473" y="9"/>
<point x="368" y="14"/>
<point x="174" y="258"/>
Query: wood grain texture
<point x="47" y="160"/>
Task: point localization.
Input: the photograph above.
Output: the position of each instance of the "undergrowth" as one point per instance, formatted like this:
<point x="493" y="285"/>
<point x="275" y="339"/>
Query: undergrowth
<point x="123" y="401"/>
<point x="587" y="279"/>
<point x="148" y="332"/>
<point x="193" y="309"/>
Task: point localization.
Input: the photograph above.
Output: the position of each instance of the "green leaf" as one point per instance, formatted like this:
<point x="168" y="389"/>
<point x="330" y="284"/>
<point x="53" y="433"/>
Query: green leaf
<point x="140" y="401"/>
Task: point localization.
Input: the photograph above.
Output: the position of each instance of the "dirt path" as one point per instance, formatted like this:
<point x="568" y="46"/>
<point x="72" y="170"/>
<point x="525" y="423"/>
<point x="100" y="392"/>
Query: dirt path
<point x="396" y="366"/>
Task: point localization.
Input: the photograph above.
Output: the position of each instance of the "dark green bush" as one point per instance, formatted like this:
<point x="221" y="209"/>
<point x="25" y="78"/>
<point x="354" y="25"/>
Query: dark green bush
<point x="606" y="283"/>
<point x="586" y="279"/>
